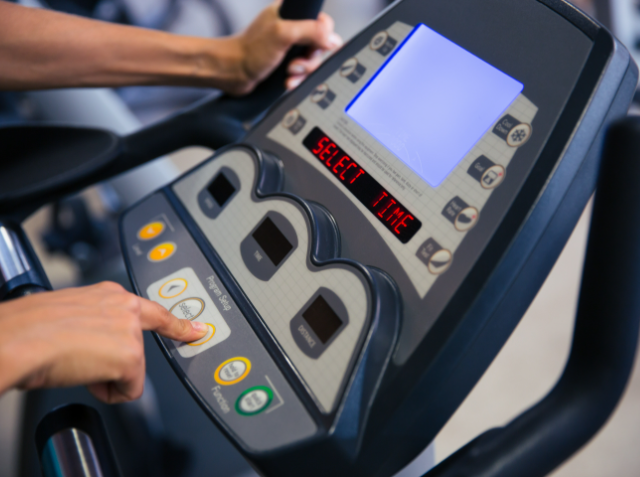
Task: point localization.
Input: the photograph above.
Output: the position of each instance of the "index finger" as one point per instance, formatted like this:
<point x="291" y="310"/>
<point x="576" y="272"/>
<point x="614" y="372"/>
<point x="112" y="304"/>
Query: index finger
<point x="154" y="317"/>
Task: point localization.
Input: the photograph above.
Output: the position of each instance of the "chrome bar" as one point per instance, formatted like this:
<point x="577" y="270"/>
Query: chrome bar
<point x="14" y="259"/>
<point x="70" y="453"/>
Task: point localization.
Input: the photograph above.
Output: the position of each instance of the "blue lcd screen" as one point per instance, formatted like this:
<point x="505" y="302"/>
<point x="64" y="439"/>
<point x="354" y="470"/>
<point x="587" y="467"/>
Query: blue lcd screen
<point x="431" y="103"/>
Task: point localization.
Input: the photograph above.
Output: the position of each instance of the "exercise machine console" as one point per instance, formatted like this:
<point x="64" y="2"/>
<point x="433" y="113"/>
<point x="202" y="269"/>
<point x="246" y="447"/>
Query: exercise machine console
<point x="362" y="256"/>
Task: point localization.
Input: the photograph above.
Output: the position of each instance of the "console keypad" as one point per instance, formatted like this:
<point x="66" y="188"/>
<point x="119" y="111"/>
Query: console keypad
<point x="229" y="367"/>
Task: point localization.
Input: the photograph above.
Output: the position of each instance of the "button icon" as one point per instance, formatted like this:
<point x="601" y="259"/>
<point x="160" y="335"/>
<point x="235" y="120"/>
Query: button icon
<point x="489" y="174"/>
<point x="460" y="214"/>
<point x="436" y="258"/>
<point x="466" y="219"/>
<point x="232" y="371"/>
<point x="173" y="288"/>
<point x="151" y="230"/>
<point x="293" y="121"/>
<point x="514" y="132"/>
<point x="352" y="70"/>
<point x="519" y="135"/>
<point x="323" y="96"/>
<point x="188" y="309"/>
<point x="492" y="177"/>
<point x="254" y="400"/>
<point x="162" y="252"/>
<point x="382" y="43"/>
<point x="440" y="261"/>
<point x="210" y="332"/>
<point x="378" y="40"/>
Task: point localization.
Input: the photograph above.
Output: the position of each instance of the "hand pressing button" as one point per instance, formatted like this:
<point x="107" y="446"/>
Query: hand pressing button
<point x="205" y="338"/>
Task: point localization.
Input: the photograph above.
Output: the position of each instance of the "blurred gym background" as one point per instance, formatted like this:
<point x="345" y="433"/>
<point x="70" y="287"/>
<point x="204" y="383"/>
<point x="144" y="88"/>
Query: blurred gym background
<point x="72" y="237"/>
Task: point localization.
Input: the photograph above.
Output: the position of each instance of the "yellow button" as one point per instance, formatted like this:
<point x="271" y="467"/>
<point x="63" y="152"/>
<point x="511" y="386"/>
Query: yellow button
<point x="151" y="230"/>
<point x="162" y="252"/>
<point x="173" y="288"/>
<point x="205" y="338"/>
<point x="232" y="371"/>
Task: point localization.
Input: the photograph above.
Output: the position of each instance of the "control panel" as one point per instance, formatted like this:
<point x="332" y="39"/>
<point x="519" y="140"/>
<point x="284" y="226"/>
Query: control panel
<point x="268" y="242"/>
<point x="363" y="255"/>
<point x="229" y="369"/>
<point x="419" y="155"/>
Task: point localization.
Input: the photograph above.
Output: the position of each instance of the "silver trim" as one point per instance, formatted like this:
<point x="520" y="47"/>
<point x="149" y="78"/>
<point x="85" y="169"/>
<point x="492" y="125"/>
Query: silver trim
<point x="70" y="453"/>
<point x="13" y="258"/>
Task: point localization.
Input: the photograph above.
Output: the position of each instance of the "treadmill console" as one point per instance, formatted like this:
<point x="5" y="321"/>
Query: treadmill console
<point x="385" y="224"/>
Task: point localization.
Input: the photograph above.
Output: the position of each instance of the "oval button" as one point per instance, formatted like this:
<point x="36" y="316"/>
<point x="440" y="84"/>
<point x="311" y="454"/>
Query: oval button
<point x="232" y="371"/>
<point x="151" y="230"/>
<point x="205" y="338"/>
<point x="162" y="252"/>
<point x="173" y="288"/>
<point x="254" y="400"/>
<point x="188" y="309"/>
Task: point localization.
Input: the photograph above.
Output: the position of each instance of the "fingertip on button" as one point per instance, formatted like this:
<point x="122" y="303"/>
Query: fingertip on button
<point x="199" y="326"/>
<point x="210" y="332"/>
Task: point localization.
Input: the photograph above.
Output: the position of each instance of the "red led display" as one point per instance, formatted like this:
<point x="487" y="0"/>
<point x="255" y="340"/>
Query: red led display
<point x="387" y="209"/>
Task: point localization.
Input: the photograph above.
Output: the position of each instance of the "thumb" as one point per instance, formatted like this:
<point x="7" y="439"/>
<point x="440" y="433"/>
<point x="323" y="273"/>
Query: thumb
<point x="314" y="33"/>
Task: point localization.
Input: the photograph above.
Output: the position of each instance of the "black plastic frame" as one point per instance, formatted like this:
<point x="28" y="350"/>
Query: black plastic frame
<point x="460" y="303"/>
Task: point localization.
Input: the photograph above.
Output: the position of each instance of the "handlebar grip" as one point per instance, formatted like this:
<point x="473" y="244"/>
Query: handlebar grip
<point x="300" y="9"/>
<point x="215" y="121"/>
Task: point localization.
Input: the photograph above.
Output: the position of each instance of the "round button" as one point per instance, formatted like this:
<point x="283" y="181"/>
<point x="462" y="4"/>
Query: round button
<point x="162" y="252"/>
<point x="519" y="135"/>
<point x="290" y="118"/>
<point x="378" y="40"/>
<point x="440" y="261"/>
<point x="348" y="67"/>
<point x="151" y="230"/>
<point x="232" y="371"/>
<point x="254" y="400"/>
<point x="319" y="93"/>
<point x="173" y="288"/>
<point x="466" y="219"/>
<point x="188" y="309"/>
<point x="492" y="177"/>
<point x="210" y="332"/>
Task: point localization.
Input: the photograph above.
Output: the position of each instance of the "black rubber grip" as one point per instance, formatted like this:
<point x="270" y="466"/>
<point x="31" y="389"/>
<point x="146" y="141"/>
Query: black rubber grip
<point x="300" y="9"/>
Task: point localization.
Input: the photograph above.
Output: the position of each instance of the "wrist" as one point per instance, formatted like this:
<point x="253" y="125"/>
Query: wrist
<point x="220" y="63"/>
<point x="20" y="357"/>
<point x="10" y="367"/>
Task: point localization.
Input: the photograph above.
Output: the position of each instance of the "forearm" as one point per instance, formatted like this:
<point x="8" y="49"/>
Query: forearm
<point x="20" y="354"/>
<point x="46" y="49"/>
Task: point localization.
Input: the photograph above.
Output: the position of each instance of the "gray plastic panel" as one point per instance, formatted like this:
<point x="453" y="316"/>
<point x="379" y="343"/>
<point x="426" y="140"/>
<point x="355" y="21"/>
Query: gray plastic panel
<point x="505" y="34"/>
<point x="279" y="293"/>
<point x="184" y="273"/>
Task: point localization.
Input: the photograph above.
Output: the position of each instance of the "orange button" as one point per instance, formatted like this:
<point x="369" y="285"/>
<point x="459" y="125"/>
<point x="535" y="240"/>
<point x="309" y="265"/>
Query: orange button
<point x="162" y="252"/>
<point x="151" y="230"/>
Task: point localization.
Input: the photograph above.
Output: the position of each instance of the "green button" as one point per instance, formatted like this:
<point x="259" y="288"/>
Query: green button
<point x="254" y="400"/>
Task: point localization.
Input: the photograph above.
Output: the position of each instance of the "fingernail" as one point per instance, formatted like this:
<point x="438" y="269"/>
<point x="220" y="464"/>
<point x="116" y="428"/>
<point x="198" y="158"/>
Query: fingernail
<point x="335" y="40"/>
<point x="294" y="82"/>
<point x="296" y="69"/>
<point x="198" y="326"/>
